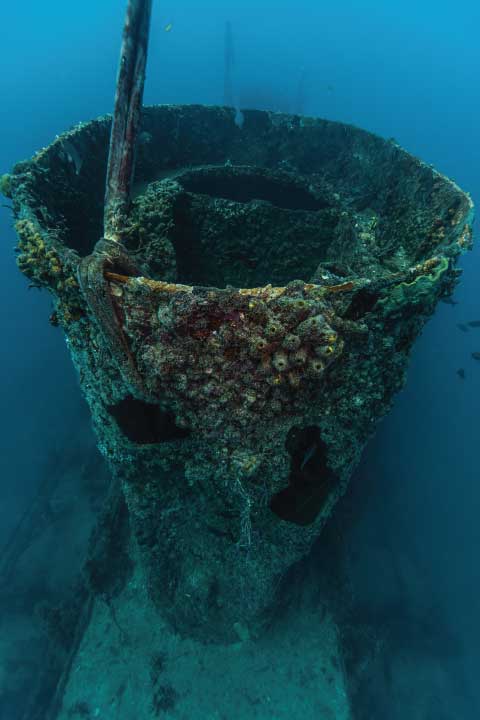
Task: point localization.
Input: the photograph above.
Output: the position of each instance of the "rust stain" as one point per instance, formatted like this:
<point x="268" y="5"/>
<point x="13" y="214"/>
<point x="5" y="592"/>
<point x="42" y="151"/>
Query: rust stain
<point x="115" y="277"/>
<point x="265" y="292"/>
<point x="344" y="287"/>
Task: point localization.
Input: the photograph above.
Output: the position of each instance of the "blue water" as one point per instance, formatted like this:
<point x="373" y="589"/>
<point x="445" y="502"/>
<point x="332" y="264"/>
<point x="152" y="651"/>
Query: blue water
<point x="405" y="70"/>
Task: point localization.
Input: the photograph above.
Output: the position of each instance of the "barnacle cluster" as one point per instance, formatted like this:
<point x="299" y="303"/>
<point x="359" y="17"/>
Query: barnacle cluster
<point x="39" y="260"/>
<point x="224" y="357"/>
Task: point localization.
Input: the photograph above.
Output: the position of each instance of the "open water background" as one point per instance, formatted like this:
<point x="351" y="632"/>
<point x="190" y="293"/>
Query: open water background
<point x="405" y="70"/>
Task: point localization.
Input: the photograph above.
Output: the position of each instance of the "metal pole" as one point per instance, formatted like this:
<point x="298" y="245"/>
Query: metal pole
<point x="109" y="252"/>
<point x="126" y="118"/>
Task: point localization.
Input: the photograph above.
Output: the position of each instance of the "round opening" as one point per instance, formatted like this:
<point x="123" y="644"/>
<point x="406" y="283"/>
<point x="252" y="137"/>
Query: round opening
<point x="240" y="226"/>
<point x="279" y="199"/>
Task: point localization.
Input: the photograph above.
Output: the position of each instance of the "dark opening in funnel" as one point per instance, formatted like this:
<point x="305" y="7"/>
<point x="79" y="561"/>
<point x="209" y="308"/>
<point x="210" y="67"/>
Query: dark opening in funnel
<point x="145" y="423"/>
<point x="310" y="478"/>
<point x="245" y="185"/>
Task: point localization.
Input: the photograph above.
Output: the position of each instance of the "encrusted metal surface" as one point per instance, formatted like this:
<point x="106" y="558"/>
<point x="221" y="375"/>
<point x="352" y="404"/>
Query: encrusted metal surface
<point x="238" y="350"/>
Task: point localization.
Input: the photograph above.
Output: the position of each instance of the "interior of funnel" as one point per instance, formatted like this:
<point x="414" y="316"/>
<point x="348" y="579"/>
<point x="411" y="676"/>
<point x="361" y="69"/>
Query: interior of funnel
<point x="279" y="199"/>
<point x="236" y="225"/>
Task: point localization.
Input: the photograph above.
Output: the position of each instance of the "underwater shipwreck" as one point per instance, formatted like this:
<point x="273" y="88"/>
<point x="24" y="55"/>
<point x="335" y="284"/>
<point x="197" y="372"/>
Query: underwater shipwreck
<point x="238" y="353"/>
<point x="239" y="342"/>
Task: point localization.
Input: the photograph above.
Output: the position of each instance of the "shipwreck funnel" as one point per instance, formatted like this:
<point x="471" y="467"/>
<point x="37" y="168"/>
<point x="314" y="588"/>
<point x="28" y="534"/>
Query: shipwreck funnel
<point x="238" y="351"/>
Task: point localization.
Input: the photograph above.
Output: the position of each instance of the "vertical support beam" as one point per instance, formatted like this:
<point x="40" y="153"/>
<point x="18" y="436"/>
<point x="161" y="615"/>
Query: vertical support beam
<point x="126" y="118"/>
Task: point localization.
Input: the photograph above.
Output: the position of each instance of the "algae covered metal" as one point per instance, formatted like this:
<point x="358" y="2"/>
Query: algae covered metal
<point x="239" y="346"/>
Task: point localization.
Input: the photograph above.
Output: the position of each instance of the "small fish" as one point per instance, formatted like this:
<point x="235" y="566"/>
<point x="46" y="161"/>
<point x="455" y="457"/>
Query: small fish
<point x="476" y="355"/>
<point x="474" y="323"/>
<point x="449" y="301"/>
<point x="239" y="118"/>
<point x="310" y="452"/>
<point x="168" y="27"/>
<point x="462" y="327"/>
<point x="461" y="373"/>
<point x="73" y="156"/>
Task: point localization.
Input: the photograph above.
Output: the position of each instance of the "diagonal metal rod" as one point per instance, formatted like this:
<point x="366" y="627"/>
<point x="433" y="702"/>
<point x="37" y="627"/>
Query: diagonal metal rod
<point x="126" y="118"/>
<point x="109" y="252"/>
